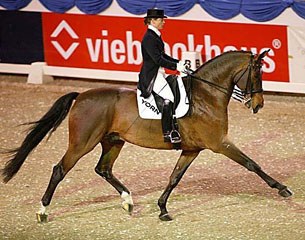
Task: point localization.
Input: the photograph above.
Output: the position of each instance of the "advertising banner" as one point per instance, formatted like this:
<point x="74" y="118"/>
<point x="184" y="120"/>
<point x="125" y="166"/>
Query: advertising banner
<point x="114" y="43"/>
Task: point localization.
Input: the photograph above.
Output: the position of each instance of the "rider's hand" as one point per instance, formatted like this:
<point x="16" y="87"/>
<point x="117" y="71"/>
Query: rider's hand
<point x="181" y="67"/>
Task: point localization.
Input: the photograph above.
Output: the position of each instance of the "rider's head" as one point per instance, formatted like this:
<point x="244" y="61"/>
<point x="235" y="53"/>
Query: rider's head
<point x="155" y="17"/>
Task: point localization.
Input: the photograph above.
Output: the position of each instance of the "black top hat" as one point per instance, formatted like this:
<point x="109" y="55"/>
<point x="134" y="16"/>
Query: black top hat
<point x="155" y="13"/>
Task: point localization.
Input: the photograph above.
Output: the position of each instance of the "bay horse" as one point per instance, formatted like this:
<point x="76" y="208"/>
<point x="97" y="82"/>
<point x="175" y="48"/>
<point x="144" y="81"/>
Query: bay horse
<point x="100" y="116"/>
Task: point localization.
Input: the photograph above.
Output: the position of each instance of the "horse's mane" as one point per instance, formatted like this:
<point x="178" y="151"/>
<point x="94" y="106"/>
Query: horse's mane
<point x="221" y="56"/>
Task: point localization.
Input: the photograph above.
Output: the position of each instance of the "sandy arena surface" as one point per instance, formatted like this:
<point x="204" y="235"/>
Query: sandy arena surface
<point x="216" y="199"/>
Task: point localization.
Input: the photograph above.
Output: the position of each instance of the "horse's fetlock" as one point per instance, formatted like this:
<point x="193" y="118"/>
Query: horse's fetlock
<point x="275" y="184"/>
<point x="45" y="202"/>
<point x="161" y="203"/>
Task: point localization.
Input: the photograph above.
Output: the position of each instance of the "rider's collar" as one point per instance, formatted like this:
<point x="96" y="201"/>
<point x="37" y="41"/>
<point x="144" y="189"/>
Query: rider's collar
<point x="155" y="30"/>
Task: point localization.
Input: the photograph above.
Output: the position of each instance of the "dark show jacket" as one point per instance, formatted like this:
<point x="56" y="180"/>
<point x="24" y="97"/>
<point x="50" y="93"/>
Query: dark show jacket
<point x="153" y="54"/>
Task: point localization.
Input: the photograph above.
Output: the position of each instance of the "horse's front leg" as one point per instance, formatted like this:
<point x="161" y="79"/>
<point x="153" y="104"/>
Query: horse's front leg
<point x="184" y="161"/>
<point x="231" y="151"/>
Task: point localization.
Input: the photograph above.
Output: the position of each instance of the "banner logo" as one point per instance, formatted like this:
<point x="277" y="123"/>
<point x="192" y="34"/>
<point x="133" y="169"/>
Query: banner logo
<point x="64" y="26"/>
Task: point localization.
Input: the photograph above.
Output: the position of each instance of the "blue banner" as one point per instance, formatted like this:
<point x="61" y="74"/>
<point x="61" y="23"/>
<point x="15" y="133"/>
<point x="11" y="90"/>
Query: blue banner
<point x="257" y="10"/>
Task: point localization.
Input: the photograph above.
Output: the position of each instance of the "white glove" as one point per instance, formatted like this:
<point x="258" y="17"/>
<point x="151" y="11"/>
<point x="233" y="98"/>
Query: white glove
<point x="181" y="67"/>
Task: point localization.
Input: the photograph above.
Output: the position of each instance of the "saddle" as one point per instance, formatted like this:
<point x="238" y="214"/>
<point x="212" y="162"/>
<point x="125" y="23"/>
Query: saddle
<point x="173" y="83"/>
<point x="151" y="107"/>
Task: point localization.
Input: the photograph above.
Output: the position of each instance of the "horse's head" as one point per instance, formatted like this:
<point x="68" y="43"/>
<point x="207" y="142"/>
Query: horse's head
<point x="249" y="80"/>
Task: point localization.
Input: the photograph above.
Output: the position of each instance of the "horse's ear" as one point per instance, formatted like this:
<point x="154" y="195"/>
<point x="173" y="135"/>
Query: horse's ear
<point x="262" y="55"/>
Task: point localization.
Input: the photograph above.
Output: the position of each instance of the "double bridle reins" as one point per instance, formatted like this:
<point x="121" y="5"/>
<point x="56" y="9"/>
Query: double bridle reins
<point x="249" y="86"/>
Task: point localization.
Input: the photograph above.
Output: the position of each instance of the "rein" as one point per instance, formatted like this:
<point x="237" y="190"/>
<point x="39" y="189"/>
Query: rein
<point x="248" y="90"/>
<point x="218" y="87"/>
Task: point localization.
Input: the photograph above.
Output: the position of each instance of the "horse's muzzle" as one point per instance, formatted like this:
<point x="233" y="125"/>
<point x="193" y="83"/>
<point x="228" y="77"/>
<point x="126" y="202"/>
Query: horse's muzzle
<point x="257" y="106"/>
<point x="257" y="102"/>
<point x="255" y="110"/>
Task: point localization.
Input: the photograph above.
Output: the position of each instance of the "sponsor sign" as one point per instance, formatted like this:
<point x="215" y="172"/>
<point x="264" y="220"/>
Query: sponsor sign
<point x="114" y="43"/>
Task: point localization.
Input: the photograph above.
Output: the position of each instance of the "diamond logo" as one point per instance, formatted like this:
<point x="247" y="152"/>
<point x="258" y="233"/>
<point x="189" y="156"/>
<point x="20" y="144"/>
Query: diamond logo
<point x="64" y="26"/>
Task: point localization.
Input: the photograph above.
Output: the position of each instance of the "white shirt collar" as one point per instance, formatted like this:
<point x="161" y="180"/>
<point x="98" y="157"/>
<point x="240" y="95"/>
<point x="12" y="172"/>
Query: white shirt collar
<point x="155" y="30"/>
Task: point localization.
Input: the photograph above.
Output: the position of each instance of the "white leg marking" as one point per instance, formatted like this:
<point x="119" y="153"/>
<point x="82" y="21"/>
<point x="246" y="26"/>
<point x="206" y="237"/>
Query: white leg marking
<point x="42" y="209"/>
<point x="127" y="203"/>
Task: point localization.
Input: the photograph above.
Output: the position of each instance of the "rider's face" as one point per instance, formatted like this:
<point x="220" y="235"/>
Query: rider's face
<point x="158" y="23"/>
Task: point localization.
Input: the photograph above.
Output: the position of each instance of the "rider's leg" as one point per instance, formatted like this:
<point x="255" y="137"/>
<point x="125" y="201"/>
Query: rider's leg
<point x="162" y="88"/>
<point x="167" y="120"/>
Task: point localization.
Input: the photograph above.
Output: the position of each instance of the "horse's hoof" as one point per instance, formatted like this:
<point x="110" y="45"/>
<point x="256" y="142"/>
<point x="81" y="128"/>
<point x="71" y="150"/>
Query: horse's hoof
<point x="127" y="204"/>
<point x="42" y="217"/>
<point x="285" y="192"/>
<point x="165" y="217"/>
<point x="127" y="207"/>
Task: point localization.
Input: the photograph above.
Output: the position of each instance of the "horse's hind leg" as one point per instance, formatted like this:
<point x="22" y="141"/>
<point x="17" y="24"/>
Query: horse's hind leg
<point x="231" y="151"/>
<point x="59" y="172"/>
<point x="184" y="161"/>
<point x="112" y="146"/>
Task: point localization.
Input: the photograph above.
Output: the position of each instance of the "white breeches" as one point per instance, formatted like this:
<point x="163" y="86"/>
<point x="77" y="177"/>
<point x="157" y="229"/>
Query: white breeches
<point x="161" y="86"/>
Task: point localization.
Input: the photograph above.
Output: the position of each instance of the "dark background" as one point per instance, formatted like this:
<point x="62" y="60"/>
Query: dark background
<point x="20" y="37"/>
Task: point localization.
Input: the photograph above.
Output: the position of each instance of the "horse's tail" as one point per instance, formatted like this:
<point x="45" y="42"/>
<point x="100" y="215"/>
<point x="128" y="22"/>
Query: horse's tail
<point x="47" y="124"/>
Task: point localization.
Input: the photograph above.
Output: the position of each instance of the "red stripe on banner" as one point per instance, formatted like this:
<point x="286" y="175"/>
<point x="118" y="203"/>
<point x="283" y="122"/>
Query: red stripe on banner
<point x="113" y="43"/>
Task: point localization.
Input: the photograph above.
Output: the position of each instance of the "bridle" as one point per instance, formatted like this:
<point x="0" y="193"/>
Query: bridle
<point x="256" y="66"/>
<point x="249" y="89"/>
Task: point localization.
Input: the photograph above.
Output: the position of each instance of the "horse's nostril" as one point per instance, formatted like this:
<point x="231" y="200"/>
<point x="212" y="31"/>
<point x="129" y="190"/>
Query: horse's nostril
<point x="255" y="110"/>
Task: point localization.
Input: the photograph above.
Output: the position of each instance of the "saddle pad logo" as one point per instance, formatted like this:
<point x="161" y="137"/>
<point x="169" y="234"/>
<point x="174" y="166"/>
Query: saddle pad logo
<point x="148" y="108"/>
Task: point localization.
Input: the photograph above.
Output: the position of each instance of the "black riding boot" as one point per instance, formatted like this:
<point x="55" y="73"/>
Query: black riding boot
<point x="170" y="133"/>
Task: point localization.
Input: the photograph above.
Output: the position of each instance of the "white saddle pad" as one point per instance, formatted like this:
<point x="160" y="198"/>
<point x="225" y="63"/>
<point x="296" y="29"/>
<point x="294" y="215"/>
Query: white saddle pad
<point x="148" y="108"/>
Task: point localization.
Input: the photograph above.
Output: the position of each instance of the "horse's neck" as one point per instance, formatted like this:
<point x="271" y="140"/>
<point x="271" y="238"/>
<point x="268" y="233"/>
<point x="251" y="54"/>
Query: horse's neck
<point x="219" y="72"/>
<point x="219" y="91"/>
<point x="220" y="69"/>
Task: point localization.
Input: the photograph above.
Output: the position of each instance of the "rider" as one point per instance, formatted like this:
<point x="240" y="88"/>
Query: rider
<point x="152" y="77"/>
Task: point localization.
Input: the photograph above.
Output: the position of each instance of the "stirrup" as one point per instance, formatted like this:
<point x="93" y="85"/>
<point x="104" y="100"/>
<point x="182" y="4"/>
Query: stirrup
<point x="175" y="136"/>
